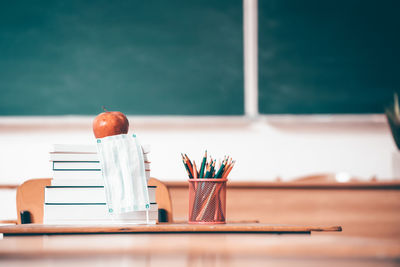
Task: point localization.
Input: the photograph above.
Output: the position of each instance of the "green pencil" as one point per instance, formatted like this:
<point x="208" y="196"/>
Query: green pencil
<point x="221" y="169"/>
<point x="212" y="170"/>
<point x="207" y="170"/>
<point x="203" y="164"/>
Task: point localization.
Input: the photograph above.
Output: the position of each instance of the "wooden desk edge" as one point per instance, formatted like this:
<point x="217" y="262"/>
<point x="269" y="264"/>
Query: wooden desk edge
<point x="301" y="185"/>
<point x="162" y="228"/>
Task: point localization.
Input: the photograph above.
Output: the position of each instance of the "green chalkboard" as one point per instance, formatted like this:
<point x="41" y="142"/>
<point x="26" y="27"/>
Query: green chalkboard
<point x="155" y="57"/>
<point x="334" y="56"/>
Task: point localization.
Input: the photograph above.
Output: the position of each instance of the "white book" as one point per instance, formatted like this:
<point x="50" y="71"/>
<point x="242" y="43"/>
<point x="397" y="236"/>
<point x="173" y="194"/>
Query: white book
<point x="93" y="212"/>
<point x="74" y="148"/>
<point x="73" y="157"/>
<point x="77" y="175"/>
<point x="83" y="165"/>
<point x="76" y="165"/>
<point x="103" y="223"/>
<point x="77" y="182"/>
<point x="82" y="194"/>
<point x="80" y="148"/>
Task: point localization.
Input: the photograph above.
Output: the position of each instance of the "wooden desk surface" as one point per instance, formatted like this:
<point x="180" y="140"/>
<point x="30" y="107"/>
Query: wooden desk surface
<point x="198" y="250"/>
<point x="164" y="228"/>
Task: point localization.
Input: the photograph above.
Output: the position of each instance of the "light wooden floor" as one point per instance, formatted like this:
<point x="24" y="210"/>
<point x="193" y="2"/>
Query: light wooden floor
<point x="198" y="250"/>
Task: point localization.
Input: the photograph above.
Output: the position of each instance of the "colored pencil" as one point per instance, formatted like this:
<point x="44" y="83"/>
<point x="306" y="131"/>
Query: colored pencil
<point x="203" y="164"/>
<point x="212" y="169"/>
<point x="195" y="174"/>
<point x="221" y="168"/>
<point x="187" y="169"/>
<point x="189" y="163"/>
<point x="228" y="170"/>
<point x="208" y="167"/>
<point x="227" y="165"/>
<point x="190" y="172"/>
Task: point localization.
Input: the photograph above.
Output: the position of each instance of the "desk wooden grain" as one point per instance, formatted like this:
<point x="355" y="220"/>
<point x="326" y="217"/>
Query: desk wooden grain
<point x="198" y="250"/>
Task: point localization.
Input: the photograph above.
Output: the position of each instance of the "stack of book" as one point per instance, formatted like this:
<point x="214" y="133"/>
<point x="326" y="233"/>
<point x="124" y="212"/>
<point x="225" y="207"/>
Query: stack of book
<point x="77" y="195"/>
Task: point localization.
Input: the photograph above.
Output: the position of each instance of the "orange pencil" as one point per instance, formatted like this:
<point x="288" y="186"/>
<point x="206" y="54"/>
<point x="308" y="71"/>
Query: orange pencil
<point x="227" y="165"/>
<point x="195" y="175"/>
<point x="228" y="170"/>
<point x="188" y="166"/>
<point x="187" y="169"/>
<point x="189" y="163"/>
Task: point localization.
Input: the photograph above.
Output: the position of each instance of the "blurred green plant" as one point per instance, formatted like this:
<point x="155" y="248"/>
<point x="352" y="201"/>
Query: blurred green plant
<point x="393" y="117"/>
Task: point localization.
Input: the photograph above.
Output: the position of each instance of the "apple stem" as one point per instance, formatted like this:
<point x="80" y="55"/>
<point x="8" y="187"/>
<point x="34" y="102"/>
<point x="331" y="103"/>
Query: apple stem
<point x="104" y="108"/>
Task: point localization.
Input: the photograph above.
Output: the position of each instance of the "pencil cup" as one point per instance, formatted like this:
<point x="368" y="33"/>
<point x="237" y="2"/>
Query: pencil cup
<point x="207" y="201"/>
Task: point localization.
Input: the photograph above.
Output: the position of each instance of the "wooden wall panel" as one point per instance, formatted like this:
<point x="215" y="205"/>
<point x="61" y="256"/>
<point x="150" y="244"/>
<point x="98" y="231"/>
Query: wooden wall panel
<point x="369" y="210"/>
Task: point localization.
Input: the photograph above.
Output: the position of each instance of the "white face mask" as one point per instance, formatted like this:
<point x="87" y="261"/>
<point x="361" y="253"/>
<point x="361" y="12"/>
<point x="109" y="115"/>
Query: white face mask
<point x="122" y="165"/>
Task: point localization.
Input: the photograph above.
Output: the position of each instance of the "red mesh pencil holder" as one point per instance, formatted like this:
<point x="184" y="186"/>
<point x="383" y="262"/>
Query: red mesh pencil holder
<point x="207" y="201"/>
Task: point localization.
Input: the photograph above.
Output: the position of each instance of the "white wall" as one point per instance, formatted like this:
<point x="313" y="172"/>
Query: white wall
<point x="264" y="149"/>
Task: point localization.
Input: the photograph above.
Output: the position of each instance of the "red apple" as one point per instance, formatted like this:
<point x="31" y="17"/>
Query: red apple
<point x="110" y="123"/>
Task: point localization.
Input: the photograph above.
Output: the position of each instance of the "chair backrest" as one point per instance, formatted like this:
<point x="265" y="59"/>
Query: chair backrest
<point x="163" y="199"/>
<point x="30" y="197"/>
<point x="327" y="177"/>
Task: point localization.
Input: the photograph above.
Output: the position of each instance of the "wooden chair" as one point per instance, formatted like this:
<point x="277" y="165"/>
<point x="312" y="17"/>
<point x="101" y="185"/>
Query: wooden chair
<point x="322" y="177"/>
<point x="163" y="198"/>
<point x="327" y="177"/>
<point x="30" y="197"/>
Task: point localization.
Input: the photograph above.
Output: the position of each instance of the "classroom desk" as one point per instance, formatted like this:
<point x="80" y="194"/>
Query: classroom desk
<point x="369" y="210"/>
<point x="197" y="250"/>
